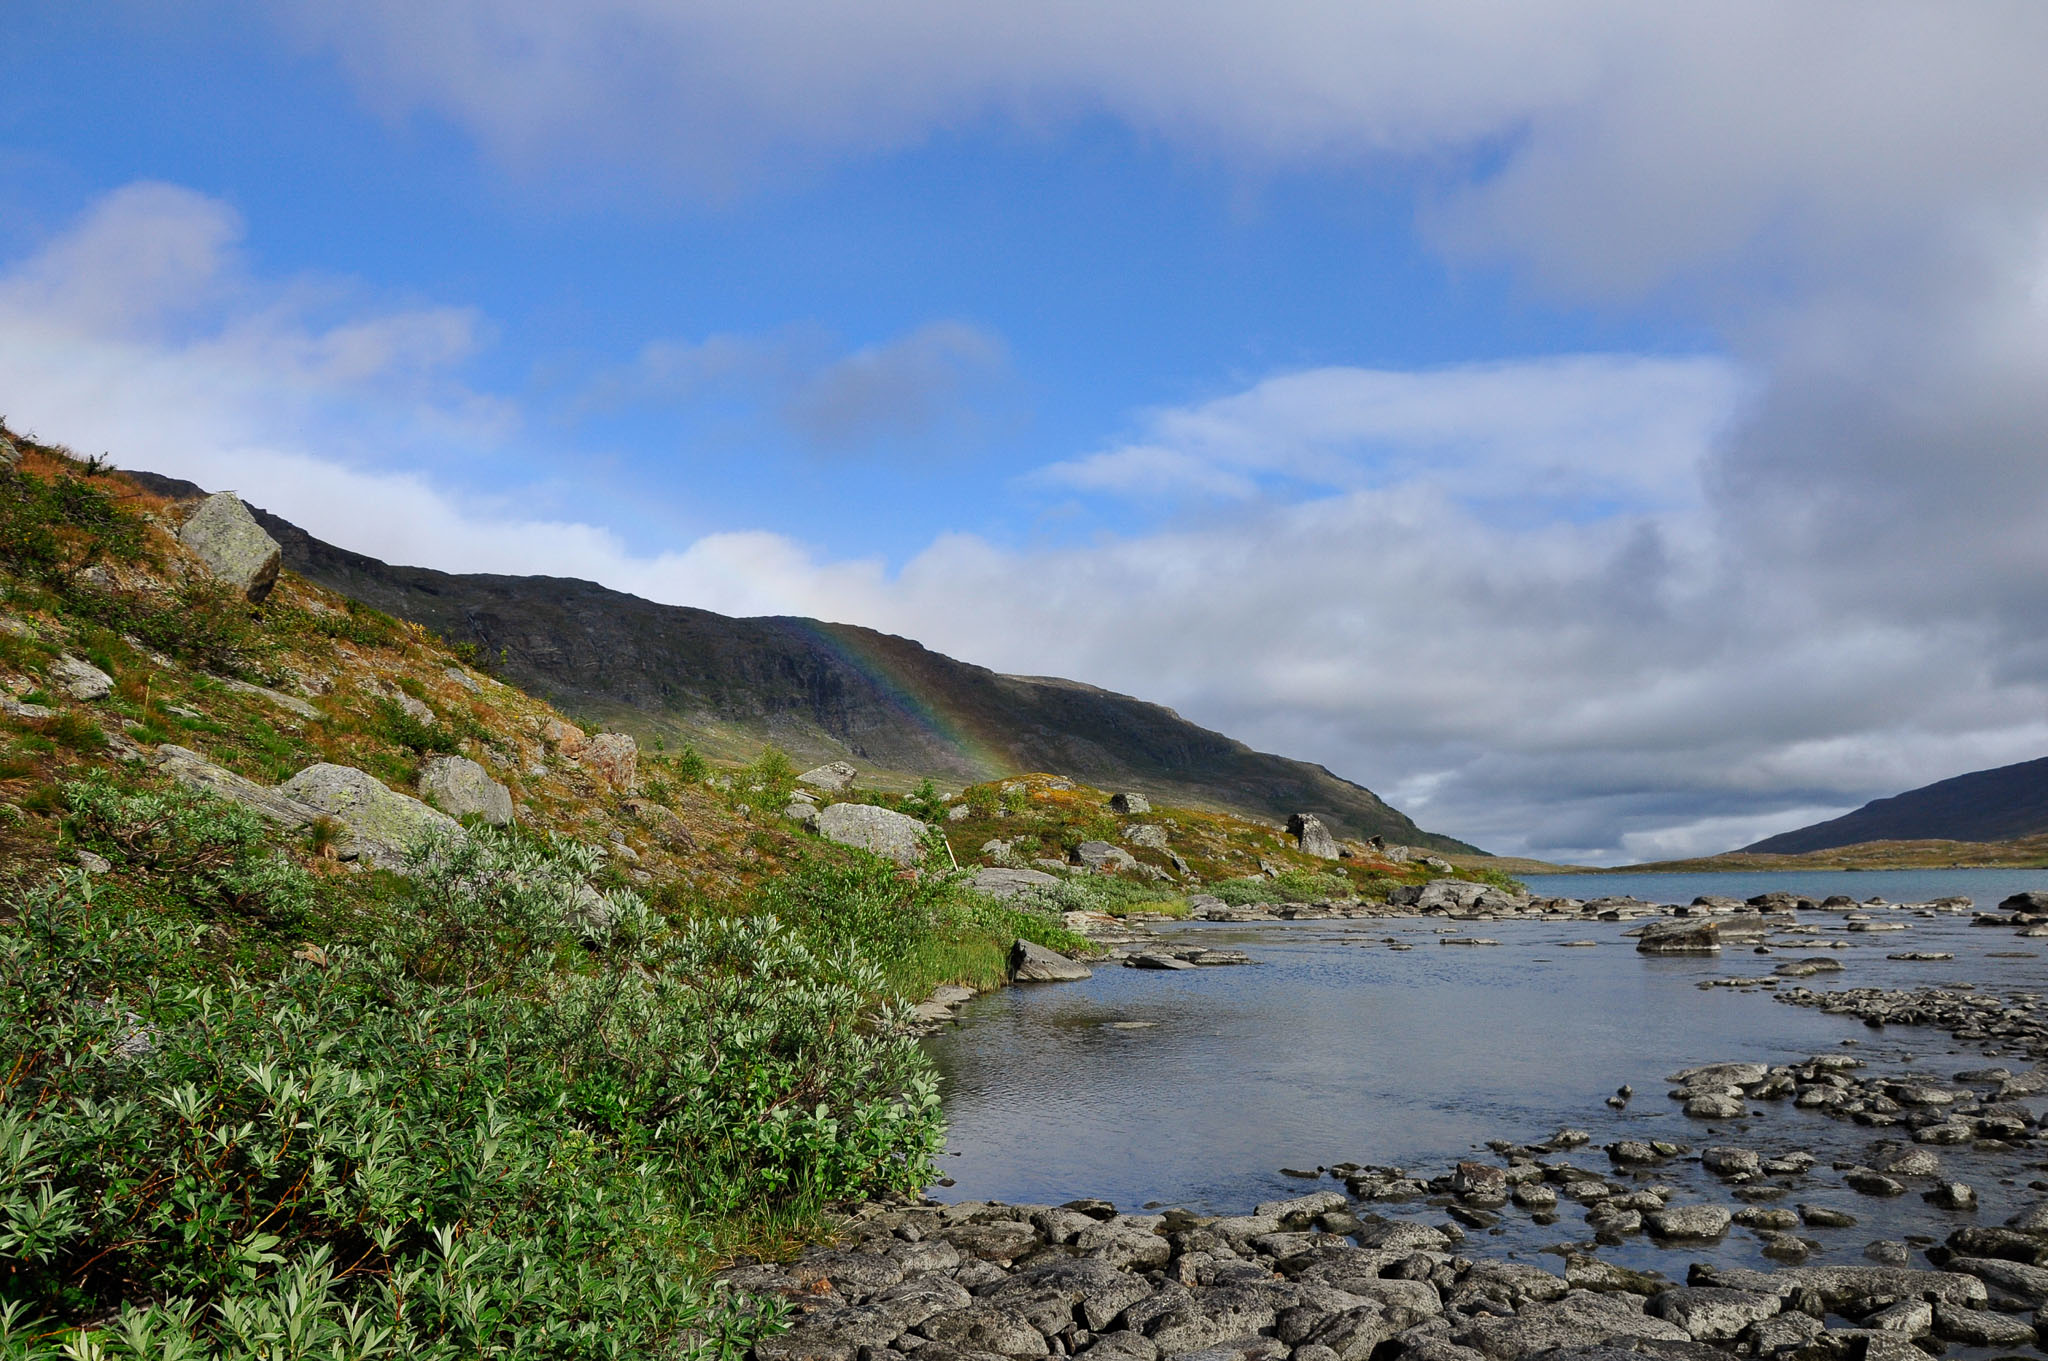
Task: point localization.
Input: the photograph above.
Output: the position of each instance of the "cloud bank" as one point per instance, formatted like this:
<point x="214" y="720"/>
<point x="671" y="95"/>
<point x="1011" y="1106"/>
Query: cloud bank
<point x="1588" y="606"/>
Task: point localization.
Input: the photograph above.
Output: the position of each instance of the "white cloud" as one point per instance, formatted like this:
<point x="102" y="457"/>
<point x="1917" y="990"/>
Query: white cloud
<point x="1549" y="434"/>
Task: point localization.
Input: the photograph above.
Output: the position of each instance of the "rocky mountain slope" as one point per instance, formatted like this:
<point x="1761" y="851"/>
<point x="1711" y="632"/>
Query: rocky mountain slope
<point x="825" y="691"/>
<point x="2009" y="803"/>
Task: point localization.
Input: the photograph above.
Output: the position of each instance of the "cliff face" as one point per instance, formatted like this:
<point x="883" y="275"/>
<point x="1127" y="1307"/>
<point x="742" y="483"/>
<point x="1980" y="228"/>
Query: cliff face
<point x="825" y="691"/>
<point x="2005" y="804"/>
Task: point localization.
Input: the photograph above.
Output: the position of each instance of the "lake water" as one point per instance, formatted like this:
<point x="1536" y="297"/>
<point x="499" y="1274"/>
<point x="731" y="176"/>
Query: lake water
<point x="1333" y="1048"/>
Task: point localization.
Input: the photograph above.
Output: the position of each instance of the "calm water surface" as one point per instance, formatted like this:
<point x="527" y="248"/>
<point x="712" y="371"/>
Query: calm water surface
<point x="1333" y="1047"/>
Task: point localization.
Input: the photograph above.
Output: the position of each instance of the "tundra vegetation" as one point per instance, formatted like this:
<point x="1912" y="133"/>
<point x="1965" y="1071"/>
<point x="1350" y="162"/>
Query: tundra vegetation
<point x="513" y="1094"/>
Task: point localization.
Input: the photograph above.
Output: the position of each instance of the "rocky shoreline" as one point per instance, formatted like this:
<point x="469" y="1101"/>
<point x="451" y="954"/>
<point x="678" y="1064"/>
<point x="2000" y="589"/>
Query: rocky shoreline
<point x="1393" y="1267"/>
<point x="1383" y="1270"/>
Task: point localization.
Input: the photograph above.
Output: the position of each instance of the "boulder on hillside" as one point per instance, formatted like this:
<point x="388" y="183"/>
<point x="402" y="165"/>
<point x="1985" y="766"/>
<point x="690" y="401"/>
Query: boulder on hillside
<point x="1130" y="804"/>
<point x="1314" y="839"/>
<point x="891" y="835"/>
<point x="615" y="756"/>
<point x="80" y="679"/>
<point x="1008" y="883"/>
<point x="1033" y="963"/>
<point x="1104" y="858"/>
<point x="189" y="768"/>
<point x="833" y="777"/>
<point x="382" y="823"/>
<point x="225" y="536"/>
<point x="461" y="788"/>
<point x="1147" y="834"/>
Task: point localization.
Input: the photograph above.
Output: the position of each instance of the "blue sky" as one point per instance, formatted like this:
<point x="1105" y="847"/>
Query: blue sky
<point x="1485" y="401"/>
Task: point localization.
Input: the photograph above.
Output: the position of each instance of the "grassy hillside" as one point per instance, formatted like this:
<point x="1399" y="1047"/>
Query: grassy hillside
<point x="509" y="1093"/>
<point x="824" y="691"/>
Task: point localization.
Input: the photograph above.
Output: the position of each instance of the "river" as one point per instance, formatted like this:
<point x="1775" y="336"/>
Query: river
<point x="1196" y="1088"/>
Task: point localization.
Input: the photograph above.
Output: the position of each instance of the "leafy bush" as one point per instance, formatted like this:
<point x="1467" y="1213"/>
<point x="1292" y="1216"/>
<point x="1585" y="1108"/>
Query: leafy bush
<point x="203" y="621"/>
<point x="53" y="528"/>
<point x="861" y="902"/>
<point x="210" y="851"/>
<point x="420" y="736"/>
<point x="691" y="768"/>
<point x="75" y="732"/>
<point x="1106" y="893"/>
<point x="1293" y="886"/>
<point x="496" y="1130"/>
<point x="982" y="800"/>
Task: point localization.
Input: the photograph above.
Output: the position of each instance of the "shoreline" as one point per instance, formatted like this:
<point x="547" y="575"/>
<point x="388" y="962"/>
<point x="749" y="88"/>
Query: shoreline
<point x="1393" y="1268"/>
<point x="1397" y="1267"/>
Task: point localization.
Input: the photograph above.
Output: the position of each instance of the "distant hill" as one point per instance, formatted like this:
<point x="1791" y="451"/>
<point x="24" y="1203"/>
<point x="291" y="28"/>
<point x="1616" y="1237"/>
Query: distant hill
<point x="827" y="691"/>
<point x="2006" y="804"/>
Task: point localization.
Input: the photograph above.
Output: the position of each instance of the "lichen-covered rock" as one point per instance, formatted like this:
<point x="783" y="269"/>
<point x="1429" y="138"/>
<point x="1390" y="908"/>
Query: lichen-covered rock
<point x="194" y="771"/>
<point x="891" y="835"/>
<point x="80" y="679"/>
<point x="1149" y="835"/>
<point x="1314" y="839"/>
<point x="615" y="757"/>
<point x="1104" y="858"/>
<point x="1130" y="804"/>
<point x="382" y="824"/>
<point x="225" y="536"/>
<point x="461" y="788"/>
<point x="1008" y="883"/>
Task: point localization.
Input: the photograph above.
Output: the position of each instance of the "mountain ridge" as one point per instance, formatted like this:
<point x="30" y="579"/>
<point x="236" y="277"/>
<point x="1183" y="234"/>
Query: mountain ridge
<point x="826" y="691"/>
<point x="2004" y="803"/>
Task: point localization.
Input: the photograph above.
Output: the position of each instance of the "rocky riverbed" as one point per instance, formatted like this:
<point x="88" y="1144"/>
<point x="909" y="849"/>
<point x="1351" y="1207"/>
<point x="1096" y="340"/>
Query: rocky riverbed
<point x="1889" y="1207"/>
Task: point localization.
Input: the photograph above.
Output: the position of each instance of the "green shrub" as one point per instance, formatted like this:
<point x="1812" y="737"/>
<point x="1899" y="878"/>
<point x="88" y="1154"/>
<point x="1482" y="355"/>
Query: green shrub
<point x="1292" y="886"/>
<point x="50" y="529"/>
<point x="857" y="901"/>
<point x="210" y="851"/>
<point x="690" y="768"/>
<point x="497" y="1130"/>
<point x="983" y="800"/>
<point x="420" y="736"/>
<point x="203" y="621"/>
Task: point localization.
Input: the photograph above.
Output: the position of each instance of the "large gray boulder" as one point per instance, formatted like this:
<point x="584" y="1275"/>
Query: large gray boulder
<point x="1147" y="834"/>
<point x="891" y="835"/>
<point x="1007" y="883"/>
<point x="1130" y="804"/>
<point x="225" y="536"/>
<point x="1104" y="858"/>
<point x="1033" y="963"/>
<point x="381" y="823"/>
<point x="832" y="778"/>
<point x="461" y="788"/>
<point x="1314" y="839"/>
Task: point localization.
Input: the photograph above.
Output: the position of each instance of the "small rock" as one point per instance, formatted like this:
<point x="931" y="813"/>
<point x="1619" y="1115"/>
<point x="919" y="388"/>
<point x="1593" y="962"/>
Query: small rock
<point x="461" y="788"/>
<point x="834" y="778"/>
<point x="80" y="679"/>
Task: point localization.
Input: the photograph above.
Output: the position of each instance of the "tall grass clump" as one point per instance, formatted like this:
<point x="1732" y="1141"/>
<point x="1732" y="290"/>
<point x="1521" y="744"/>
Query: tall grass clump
<point x="504" y="1123"/>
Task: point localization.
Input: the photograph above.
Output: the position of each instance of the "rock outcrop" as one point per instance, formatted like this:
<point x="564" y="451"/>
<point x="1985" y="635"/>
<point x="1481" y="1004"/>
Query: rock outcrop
<point x="382" y="824"/>
<point x="461" y="788"/>
<point x="891" y="835"/>
<point x="834" y="777"/>
<point x="1033" y="963"/>
<point x="614" y="757"/>
<point x="225" y="536"/>
<point x="1314" y="839"/>
<point x="1008" y="883"/>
